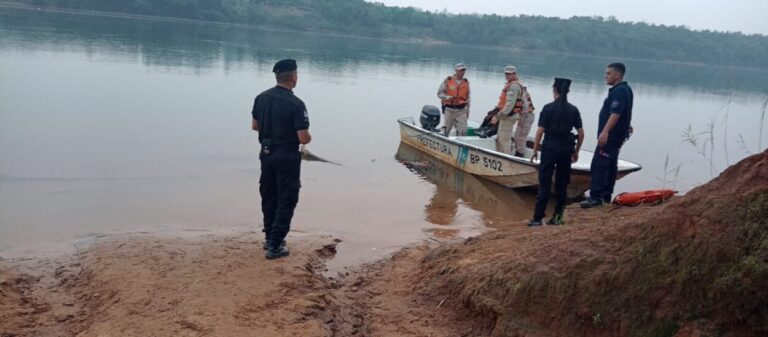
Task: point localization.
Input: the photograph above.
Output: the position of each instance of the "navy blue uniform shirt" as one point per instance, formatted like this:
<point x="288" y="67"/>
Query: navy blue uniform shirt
<point x="619" y="101"/>
<point x="280" y="114"/>
<point x="558" y="120"/>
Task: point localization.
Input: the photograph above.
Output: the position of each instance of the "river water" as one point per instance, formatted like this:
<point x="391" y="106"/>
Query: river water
<point x="113" y="125"/>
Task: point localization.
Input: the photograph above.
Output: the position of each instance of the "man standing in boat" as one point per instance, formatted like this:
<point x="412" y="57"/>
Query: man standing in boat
<point x="524" y="122"/>
<point x="454" y="96"/>
<point x="559" y="150"/>
<point x="282" y="123"/>
<point x="613" y="130"/>
<point x="514" y="107"/>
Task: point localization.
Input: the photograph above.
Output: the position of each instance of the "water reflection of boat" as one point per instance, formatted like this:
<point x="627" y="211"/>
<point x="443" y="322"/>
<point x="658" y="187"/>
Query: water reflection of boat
<point x="497" y="204"/>
<point x="478" y="156"/>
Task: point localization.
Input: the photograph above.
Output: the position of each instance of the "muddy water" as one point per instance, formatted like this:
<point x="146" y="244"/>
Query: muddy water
<point x="112" y="125"/>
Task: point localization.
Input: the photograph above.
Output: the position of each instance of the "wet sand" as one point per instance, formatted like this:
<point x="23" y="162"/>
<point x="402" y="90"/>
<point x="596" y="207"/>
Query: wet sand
<point x="222" y="285"/>
<point x="153" y="286"/>
<point x="211" y="285"/>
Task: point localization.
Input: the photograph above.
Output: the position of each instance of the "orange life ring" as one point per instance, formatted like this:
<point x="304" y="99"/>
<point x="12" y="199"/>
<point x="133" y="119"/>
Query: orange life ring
<point x="644" y="197"/>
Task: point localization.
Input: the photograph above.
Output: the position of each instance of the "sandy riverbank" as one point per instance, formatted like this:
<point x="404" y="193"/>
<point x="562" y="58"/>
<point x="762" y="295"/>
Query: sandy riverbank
<point x="211" y="286"/>
<point x="221" y="285"/>
<point x="694" y="266"/>
<point x="145" y="286"/>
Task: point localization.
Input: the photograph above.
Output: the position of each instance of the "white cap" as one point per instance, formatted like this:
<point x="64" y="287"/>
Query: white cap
<point x="459" y="66"/>
<point x="510" y="70"/>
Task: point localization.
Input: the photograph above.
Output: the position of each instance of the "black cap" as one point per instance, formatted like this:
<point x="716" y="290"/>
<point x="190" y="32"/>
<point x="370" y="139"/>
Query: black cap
<point x="284" y="66"/>
<point x="562" y="84"/>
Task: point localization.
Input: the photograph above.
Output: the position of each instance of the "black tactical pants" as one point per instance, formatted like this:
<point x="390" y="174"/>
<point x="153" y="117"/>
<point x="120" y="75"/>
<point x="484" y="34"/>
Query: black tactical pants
<point x="603" y="172"/>
<point x="279" y="187"/>
<point x="557" y="162"/>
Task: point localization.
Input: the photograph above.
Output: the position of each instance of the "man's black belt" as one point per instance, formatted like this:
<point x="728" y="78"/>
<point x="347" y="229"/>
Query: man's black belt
<point x="568" y="137"/>
<point x="279" y="146"/>
<point x="457" y="106"/>
<point x="289" y="146"/>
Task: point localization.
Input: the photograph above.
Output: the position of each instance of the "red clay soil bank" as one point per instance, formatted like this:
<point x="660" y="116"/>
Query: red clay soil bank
<point x="696" y="266"/>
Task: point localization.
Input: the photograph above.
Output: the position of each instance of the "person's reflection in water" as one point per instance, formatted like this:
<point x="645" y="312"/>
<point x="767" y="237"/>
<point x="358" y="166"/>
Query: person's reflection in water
<point x="442" y="207"/>
<point x="498" y="206"/>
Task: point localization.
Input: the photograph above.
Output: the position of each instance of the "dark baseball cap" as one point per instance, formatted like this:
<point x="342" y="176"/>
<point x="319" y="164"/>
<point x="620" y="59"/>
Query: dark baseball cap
<point x="284" y="66"/>
<point x="562" y="83"/>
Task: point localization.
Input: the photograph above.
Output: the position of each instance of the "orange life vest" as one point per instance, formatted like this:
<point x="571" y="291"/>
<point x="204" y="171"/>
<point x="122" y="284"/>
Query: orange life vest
<point x="518" y="108"/>
<point x="459" y="93"/>
<point x="644" y="197"/>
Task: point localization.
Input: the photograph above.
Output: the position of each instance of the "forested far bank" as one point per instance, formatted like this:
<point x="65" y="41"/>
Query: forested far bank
<point x="578" y="35"/>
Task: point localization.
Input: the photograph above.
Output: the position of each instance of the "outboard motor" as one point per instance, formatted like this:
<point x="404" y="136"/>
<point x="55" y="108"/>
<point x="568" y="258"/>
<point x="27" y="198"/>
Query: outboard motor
<point x="430" y="117"/>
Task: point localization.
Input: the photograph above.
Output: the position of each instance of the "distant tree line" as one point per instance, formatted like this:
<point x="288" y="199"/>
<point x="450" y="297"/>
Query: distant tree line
<point x="577" y="35"/>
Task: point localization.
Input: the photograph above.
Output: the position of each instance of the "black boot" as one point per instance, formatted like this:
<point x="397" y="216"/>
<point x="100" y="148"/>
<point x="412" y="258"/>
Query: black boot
<point x="534" y="222"/>
<point x="277" y="251"/>
<point x="266" y="244"/>
<point x="590" y="203"/>
<point x="556" y="219"/>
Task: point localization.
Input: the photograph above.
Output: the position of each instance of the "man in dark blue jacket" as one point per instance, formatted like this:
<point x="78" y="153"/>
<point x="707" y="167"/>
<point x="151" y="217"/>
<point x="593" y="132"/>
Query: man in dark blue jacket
<point x="613" y="130"/>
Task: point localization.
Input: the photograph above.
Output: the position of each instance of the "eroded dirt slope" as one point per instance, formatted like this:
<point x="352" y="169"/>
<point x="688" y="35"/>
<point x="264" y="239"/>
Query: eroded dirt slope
<point x="696" y="266"/>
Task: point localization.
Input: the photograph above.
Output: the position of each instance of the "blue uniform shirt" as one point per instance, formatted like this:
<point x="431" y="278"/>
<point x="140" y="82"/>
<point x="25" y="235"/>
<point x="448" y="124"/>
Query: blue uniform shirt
<point x="619" y="101"/>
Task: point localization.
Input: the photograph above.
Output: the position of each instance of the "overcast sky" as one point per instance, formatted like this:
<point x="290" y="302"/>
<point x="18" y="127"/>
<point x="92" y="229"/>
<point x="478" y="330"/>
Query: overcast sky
<point x="748" y="16"/>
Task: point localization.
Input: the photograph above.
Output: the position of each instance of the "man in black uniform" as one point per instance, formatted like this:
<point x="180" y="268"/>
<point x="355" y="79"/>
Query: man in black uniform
<point x="282" y="122"/>
<point x="613" y="130"/>
<point x="559" y="150"/>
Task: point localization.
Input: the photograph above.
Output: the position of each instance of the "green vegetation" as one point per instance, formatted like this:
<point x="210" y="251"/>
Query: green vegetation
<point x="577" y="35"/>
